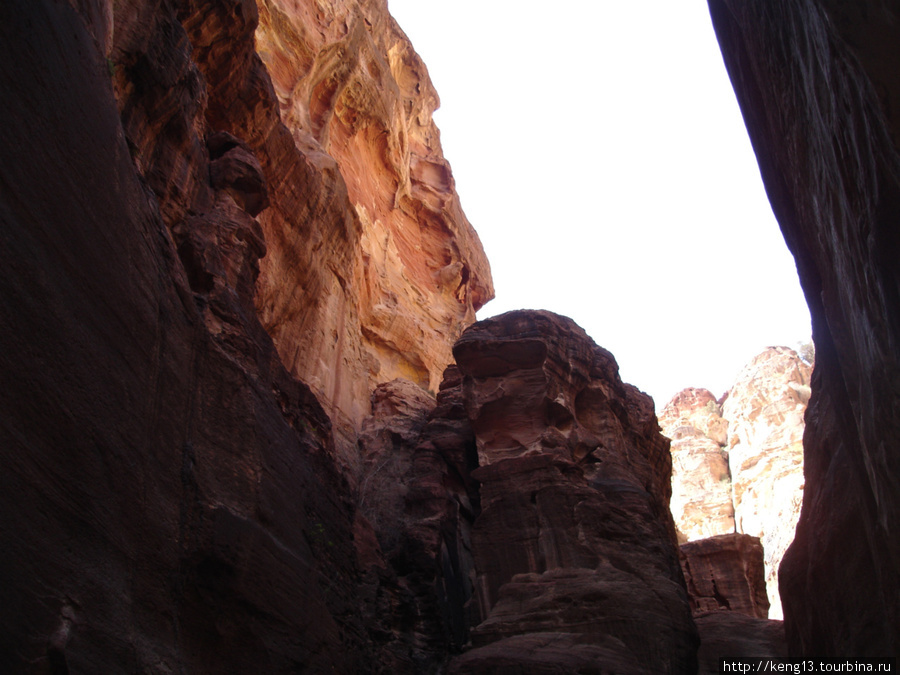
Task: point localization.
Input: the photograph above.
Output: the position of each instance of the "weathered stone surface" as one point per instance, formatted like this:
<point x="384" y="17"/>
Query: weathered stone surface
<point x="726" y="573"/>
<point x="701" y="502"/>
<point x="419" y="500"/>
<point x="574" y="494"/>
<point x="371" y="268"/>
<point x="764" y="410"/>
<point x="753" y="483"/>
<point x="385" y="264"/>
<point x="819" y="86"/>
<point x="731" y="635"/>
<point x="169" y="495"/>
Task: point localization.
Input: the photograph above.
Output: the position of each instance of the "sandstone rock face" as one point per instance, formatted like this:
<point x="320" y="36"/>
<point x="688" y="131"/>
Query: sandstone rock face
<point x="826" y="77"/>
<point x="726" y="583"/>
<point x="738" y="467"/>
<point x="382" y="266"/>
<point x="419" y="501"/>
<point x="702" y="503"/>
<point x="169" y="493"/>
<point x="764" y="410"/>
<point x="726" y="573"/>
<point x="371" y="269"/>
<point x="574" y="535"/>
<point x="727" y="635"/>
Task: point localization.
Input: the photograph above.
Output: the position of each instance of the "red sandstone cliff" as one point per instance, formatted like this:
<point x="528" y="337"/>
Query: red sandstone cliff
<point x="370" y="268"/>
<point x="209" y="259"/>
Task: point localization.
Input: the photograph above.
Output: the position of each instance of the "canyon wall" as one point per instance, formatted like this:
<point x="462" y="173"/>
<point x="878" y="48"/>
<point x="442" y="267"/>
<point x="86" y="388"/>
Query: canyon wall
<point x="177" y="264"/>
<point x="574" y="547"/>
<point x="371" y="269"/>
<point x="737" y="467"/>
<point x="818" y="83"/>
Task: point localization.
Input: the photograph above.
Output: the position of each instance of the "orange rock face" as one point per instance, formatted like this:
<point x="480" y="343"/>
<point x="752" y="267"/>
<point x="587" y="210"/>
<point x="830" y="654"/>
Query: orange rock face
<point x="399" y="271"/>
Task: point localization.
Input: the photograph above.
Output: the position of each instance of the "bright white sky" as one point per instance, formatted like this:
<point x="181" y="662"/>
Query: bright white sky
<point x="599" y="152"/>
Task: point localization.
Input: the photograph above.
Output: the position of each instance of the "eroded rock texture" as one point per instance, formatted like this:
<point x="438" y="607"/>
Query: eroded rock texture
<point x="819" y="86"/>
<point x="169" y="494"/>
<point x="574" y="541"/>
<point x="738" y="467"/>
<point x="726" y="583"/>
<point x="764" y="410"/>
<point x="371" y="269"/>
<point x="383" y="269"/>
<point x="192" y="504"/>
<point x="726" y="573"/>
<point x="702" y="503"/>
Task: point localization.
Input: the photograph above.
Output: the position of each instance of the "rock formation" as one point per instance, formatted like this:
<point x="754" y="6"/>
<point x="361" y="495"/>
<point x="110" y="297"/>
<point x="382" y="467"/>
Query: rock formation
<point x="818" y="83"/>
<point x="764" y="410"/>
<point x="702" y="504"/>
<point x="169" y="492"/>
<point x="370" y="269"/>
<point x="726" y="583"/>
<point x="574" y="544"/>
<point x="726" y="572"/>
<point x="227" y="228"/>
<point x="738" y="467"/>
<point x="386" y="267"/>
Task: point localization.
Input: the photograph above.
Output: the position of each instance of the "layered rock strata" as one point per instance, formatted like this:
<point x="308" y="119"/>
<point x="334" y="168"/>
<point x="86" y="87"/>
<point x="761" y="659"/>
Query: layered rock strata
<point x="738" y="467"/>
<point x="702" y="504"/>
<point x="819" y="86"/>
<point x="370" y="269"/>
<point x="384" y="268"/>
<point x="574" y="541"/>
<point x="764" y="410"/>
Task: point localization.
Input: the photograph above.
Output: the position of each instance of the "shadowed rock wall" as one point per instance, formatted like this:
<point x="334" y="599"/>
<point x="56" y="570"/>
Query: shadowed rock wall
<point x="819" y="86"/>
<point x="163" y="476"/>
<point x="574" y="544"/>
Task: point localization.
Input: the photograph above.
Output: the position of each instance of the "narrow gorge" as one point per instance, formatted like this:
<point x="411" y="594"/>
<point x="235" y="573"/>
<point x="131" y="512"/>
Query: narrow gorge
<point x="250" y="424"/>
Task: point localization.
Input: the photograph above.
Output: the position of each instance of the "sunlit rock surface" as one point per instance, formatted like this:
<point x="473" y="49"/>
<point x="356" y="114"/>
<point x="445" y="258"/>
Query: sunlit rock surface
<point x="818" y="83"/>
<point x="702" y="502"/>
<point x="764" y="410"/>
<point x="372" y="268"/>
<point x="738" y="467"/>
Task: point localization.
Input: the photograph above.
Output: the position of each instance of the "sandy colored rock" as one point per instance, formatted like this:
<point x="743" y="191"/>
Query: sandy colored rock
<point x="764" y="410"/>
<point x="701" y="502"/>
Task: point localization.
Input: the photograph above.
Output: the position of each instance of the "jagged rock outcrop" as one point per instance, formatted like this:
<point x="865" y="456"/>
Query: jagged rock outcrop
<point x="818" y="83"/>
<point x="702" y="504"/>
<point x="738" y="467"/>
<point x="764" y="410"/>
<point x="574" y="540"/>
